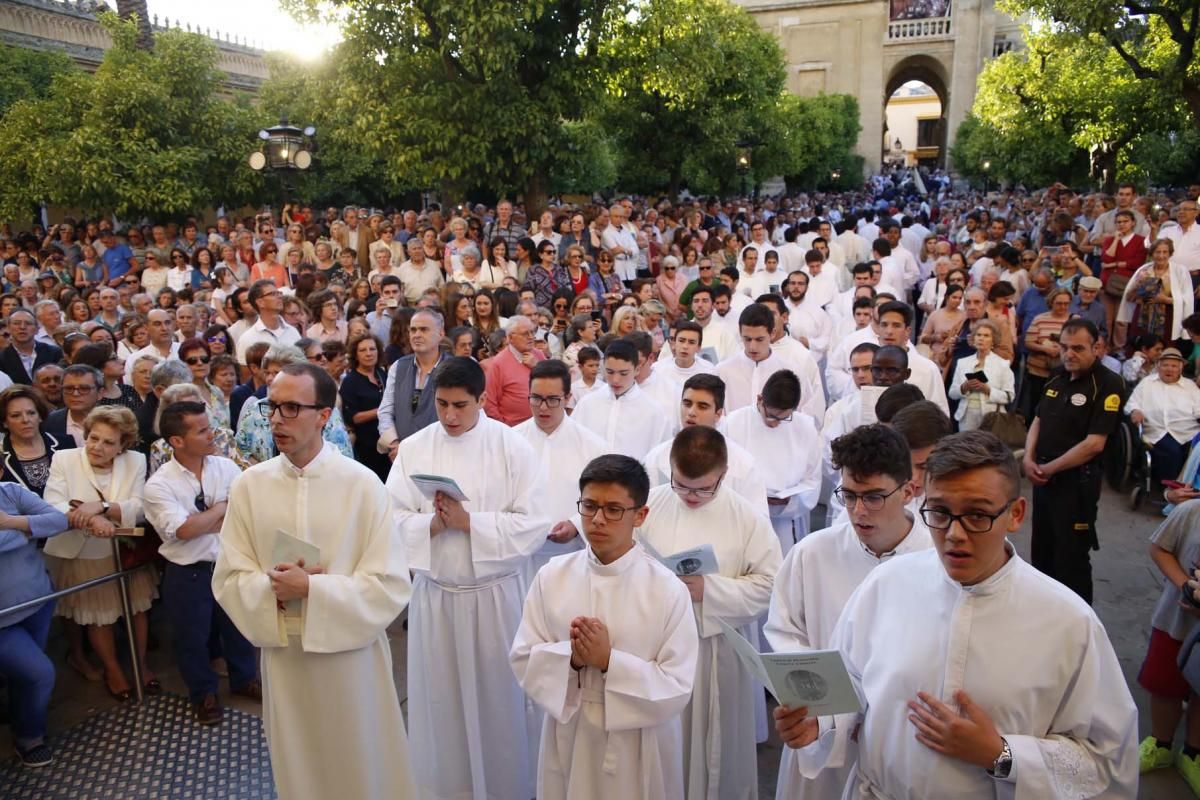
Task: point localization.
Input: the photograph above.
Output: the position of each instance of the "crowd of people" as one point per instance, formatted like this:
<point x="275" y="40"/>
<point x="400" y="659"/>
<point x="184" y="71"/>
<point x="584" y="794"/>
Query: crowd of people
<point x="299" y="426"/>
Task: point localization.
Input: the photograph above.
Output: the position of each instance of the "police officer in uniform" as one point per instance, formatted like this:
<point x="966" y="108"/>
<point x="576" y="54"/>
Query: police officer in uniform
<point x="1079" y="408"/>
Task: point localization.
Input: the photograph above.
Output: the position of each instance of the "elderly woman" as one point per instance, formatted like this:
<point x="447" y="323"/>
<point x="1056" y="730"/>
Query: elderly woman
<point x="625" y="320"/>
<point x="1157" y="298"/>
<point x="670" y="284"/>
<point x="141" y="376"/>
<point x="223" y="444"/>
<point x="25" y="667"/>
<point x="197" y="356"/>
<point x="469" y="271"/>
<point x="982" y="382"/>
<point x="650" y="318"/>
<point x="99" y="487"/>
<point x="26" y="449"/>
<point x="361" y="393"/>
<point x="1041" y="340"/>
<point x="453" y="251"/>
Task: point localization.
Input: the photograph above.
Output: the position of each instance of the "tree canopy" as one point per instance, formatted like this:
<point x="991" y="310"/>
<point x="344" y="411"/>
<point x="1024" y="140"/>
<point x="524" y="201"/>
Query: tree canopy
<point x="28" y="74"/>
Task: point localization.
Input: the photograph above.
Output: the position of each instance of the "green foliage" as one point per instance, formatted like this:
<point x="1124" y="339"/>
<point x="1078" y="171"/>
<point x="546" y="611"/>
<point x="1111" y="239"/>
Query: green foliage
<point x="145" y="135"/>
<point x="806" y="139"/>
<point x="28" y="74"/>
<point x="588" y="162"/>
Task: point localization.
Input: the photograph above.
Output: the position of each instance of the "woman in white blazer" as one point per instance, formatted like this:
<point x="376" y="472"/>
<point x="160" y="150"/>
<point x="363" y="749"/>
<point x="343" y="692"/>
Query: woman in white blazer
<point x="99" y="487"/>
<point x="975" y="397"/>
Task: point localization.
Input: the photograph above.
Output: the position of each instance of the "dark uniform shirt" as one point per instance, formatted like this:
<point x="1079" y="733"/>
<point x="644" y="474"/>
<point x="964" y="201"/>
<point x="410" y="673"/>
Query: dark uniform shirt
<point x="1073" y="409"/>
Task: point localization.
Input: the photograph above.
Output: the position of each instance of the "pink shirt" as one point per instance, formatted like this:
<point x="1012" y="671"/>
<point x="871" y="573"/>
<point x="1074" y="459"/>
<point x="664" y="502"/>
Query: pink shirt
<point x="508" y="388"/>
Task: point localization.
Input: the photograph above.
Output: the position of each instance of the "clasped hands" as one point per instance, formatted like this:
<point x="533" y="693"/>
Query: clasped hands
<point x="90" y="517"/>
<point x="967" y="735"/>
<point x="290" y="581"/>
<point x="590" y="644"/>
<point x="448" y="514"/>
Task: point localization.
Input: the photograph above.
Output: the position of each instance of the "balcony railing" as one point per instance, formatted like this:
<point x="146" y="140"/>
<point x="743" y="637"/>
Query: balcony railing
<point x="930" y="28"/>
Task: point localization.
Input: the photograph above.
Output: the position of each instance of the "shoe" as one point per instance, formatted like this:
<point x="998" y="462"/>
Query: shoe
<point x="1189" y="768"/>
<point x="252" y="690"/>
<point x="39" y="755"/>
<point x="208" y="711"/>
<point x="1151" y="756"/>
<point x="152" y="688"/>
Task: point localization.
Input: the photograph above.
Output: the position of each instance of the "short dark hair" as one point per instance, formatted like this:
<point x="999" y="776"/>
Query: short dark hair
<point x="774" y="302"/>
<point x="258" y="289"/>
<point x="922" y="424"/>
<point x="85" y="369"/>
<point x="873" y="450"/>
<point x="699" y="450"/>
<point x="1081" y="324"/>
<point x="970" y="450"/>
<point x="699" y="290"/>
<point x="326" y="389"/>
<point x="782" y="390"/>
<point x="588" y="353"/>
<point x="173" y="421"/>
<point x="93" y="354"/>
<point x="757" y="315"/>
<point x="622" y="350"/>
<point x="695" y="327"/>
<point x="865" y="347"/>
<point x="882" y="246"/>
<point x="896" y="307"/>
<point x="552" y="368"/>
<point x="895" y="398"/>
<point x="642" y="341"/>
<point x="460" y="372"/>
<point x="707" y="382"/>
<point x="623" y="471"/>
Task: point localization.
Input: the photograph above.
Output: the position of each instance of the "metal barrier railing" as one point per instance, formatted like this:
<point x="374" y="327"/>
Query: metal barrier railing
<point x="122" y="577"/>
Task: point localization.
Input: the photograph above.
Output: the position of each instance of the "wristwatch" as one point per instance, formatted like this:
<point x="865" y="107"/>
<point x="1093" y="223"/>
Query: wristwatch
<point x="104" y="504"/>
<point x="1002" y="766"/>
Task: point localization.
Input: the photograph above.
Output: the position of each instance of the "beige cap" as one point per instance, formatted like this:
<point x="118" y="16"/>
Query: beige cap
<point x="1171" y="352"/>
<point x="1090" y="282"/>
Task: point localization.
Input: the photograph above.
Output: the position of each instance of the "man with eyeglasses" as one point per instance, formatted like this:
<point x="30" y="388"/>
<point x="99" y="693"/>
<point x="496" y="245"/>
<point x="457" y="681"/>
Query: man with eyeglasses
<point x="979" y="675"/>
<point x="784" y="444"/>
<point x="185" y="501"/>
<point x="468" y="718"/>
<point x="334" y="725"/>
<point x="508" y="374"/>
<point x="628" y="420"/>
<point x="707" y="277"/>
<point x="874" y="482"/>
<point x="695" y="509"/>
<point x="81" y="385"/>
<point x="611" y="724"/>
<point x="270" y="327"/>
<point x="560" y="441"/>
<point x="407" y="404"/>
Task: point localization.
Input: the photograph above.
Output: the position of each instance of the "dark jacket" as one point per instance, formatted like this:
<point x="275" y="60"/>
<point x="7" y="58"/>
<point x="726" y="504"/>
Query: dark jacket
<point x="55" y="427"/>
<point x="10" y="466"/>
<point x="10" y="361"/>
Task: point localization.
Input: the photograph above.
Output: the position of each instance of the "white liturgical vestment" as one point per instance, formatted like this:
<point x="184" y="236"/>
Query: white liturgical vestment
<point x="330" y="711"/>
<point x="629" y="425"/>
<point x="744" y="379"/>
<point x="613" y="735"/>
<point x="1029" y="652"/>
<point x="473" y="735"/>
<point x="719" y="723"/>
<point x="811" y="589"/>
<point x="742" y="476"/>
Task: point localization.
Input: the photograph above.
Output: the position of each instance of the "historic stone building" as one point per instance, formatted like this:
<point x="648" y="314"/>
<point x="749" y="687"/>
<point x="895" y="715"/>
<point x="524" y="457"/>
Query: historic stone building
<point x="71" y="27"/>
<point x="870" y="48"/>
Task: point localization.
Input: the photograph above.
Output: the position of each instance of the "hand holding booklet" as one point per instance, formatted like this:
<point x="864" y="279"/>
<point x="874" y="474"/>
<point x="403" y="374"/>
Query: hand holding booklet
<point x="290" y="550"/>
<point x="429" y="485"/>
<point x="816" y="679"/>
<point x="700" y="560"/>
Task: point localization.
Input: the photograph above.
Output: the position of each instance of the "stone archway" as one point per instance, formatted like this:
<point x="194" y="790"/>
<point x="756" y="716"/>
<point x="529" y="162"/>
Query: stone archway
<point x="931" y="72"/>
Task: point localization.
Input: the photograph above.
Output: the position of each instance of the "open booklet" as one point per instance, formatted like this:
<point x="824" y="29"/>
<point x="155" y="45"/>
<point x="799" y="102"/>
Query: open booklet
<point x="868" y="396"/>
<point x="700" y="560"/>
<point x="816" y="679"/>
<point x="429" y="485"/>
<point x="289" y="550"/>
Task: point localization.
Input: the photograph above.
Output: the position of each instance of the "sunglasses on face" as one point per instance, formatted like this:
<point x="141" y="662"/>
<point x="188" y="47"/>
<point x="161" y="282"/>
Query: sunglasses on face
<point x="196" y="360"/>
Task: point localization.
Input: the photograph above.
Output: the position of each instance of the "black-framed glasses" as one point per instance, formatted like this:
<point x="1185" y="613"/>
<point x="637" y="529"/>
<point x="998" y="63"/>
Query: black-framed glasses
<point x="286" y="410"/>
<point x="612" y="511"/>
<point x="971" y="522"/>
<point x="872" y="501"/>
<point x="79" y="389"/>
<point x="684" y="491"/>
<point x="550" y="401"/>
<point x="318" y="356"/>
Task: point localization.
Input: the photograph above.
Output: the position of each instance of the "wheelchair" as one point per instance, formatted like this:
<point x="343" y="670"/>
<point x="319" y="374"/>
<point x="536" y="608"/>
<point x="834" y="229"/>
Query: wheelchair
<point x="1127" y="463"/>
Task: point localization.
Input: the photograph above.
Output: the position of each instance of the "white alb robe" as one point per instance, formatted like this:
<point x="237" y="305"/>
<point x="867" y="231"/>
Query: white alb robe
<point x="811" y="589"/>
<point x="630" y="424"/>
<point x="743" y="475"/>
<point x="719" y="724"/>
<point x="667" y="392"/>
<point x="566" y="450"/>
<point x="330" y="710"/>
<point x="473" y="735"/>
<point x="615" y="734"/>
<point x="789" y="457"/>
<point x="1027" y="650"/>
<point x="721" y="336"/>
<point x="925" y="375"/>
<point x="803" y="362"/>
<point x="670" y="369"/>
<point x="809" y="320"/>
<point x="744" y="379"/>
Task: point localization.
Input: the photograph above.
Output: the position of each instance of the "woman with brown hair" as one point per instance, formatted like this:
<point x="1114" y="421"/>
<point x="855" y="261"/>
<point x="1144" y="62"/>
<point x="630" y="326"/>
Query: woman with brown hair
<point x="361" y="393"/>
<point x="26" y="450"/>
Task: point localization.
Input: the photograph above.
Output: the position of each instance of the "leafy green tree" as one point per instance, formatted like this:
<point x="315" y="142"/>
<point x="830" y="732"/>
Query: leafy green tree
<point x="147" y="134"/>
<point x="807" y="139"/>
<point x="28" y="74"/>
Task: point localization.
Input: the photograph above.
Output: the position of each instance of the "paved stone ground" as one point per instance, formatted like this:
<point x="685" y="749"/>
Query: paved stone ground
<point x="1127" y="587"/>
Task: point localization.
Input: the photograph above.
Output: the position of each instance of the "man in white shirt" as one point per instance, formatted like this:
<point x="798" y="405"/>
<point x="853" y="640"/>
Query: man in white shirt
<point x="769" y="278"/>
<point x="418" y="274"/>
<point x="758" y="241"/>
<point x="1168" y="409"/>
<point x="928" y="640"/>
<point x="837" y="253"/>
<point x="822" y="285"/>
<point x="162" y="341"/>
<point x="892" y="273"/>
<point x="678" y="360"/>
<point x="559" y="441"/>
<point x="822" y="571"/>
<point x="908" y="261"/>
<point x="720" y="338"/>
<point x="791" y="254"/>
<point x="629" y="420"/>
<point x="661" y="386"/>
<point x="471" y="730"/>
<point x="807" y="323"/>
<point x="267" y="300"/>
<point x="545" y="231"/>
<point x="621" y="242"/>
<point x="1186" y="237"/>
<point x="855" y="247"/>
<point x="185" y="501"/>
<point x="694" y="510"/>
<point x="798" y="358"/>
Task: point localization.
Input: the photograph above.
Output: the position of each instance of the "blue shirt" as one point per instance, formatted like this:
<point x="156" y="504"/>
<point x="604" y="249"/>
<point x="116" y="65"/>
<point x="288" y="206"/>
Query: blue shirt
<point x="1032" y="303"/>
<point x="22" y="568"/>
<point x="117" y="258"/>
<point x="1094" y="312"/>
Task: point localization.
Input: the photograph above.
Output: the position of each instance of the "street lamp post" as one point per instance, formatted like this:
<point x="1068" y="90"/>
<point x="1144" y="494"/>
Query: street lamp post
<point x="744" y="157"/>
<point x="285" y="149"/>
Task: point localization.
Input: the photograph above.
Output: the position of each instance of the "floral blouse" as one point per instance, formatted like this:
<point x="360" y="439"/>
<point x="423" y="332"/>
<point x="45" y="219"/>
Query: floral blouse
<point x="256" y="445"/>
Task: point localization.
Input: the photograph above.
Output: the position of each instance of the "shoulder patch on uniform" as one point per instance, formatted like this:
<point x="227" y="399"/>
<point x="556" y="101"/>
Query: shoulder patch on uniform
<point x="1112" y="403"/>
<point x="1082" y="526"/>
<point x="1051" y="393"/>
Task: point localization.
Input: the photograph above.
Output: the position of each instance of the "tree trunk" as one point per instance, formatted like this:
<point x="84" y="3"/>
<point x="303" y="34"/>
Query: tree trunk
<point x="535" y="197"/>
<point x="1103" y="168"/>
<point x="1191" y="96"/>
<point x="131" y="9"/>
